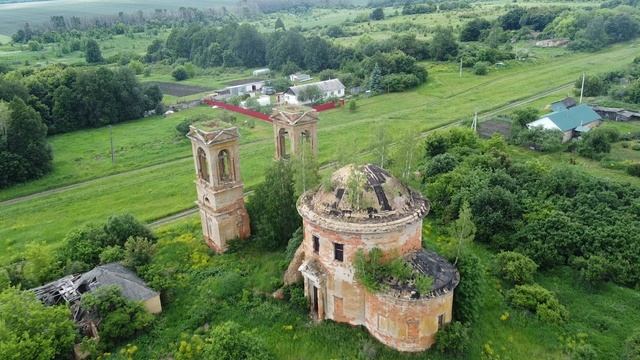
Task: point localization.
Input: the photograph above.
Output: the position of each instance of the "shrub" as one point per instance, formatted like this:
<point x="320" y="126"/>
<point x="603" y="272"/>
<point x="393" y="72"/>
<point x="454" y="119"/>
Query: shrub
<point x="228" y="341"/>
<point x="227" y="286"/>
<point x="515" y="267"/>
<point x="180" y="73"/>
<point x="111" y="254"/>
<point x="634" y="169"/>
<point x="353" y="106"/>
<point x="453" y="338"/>
<point x="138" y="252"/>
<point x="121" y="318"/>
<point x="470" y="290"/>
<point x="293" y="244"/>
<point x="481" y="68"/>
<point x="635" y="147"/>
<point x="121" y="227"/>
<point x="183" y="127"/>
<point x="538" y="300"/>
<point x="294" y="294"/>
<point x="632" y="346"/>
<point x="594" y="269"/>
<point x="440" y="164"/>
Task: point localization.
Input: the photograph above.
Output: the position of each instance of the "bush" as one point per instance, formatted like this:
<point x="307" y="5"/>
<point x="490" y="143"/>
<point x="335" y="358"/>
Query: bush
<point x="634" y="169"/>
<point x="470" y="290"/>
<point x="594" y="269"/>
<point x="538" y="300"/>
<point x="111" y="254"/>
<point x="138" y="252"/>
<point x="632" y="346"/>
<point x="183" y="127"/>
<point x="515" y="267"/>
<point x="440" y="164"/>
<point x="635" y="147"/>
<point x="227" y="286"/>
<point x="228" y="341"/>
<point x="481" y="68"/>
<point x="293" y="244"/>
<point x="453" y="338"/>
<point x="353" y="106"/>
<point x="180" y="73"/>
<point x="121" y="318"/>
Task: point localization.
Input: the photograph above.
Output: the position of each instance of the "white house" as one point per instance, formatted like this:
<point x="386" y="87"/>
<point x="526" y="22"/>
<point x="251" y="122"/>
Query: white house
<point x="328" y="89"/>
<point x="572" y="121"/>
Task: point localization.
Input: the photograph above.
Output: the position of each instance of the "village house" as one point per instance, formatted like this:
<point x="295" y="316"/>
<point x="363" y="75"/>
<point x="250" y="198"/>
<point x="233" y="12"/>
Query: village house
<point x="572" y="122"/>
<point x="332" y="88"/>
<point x="390" y="220"/>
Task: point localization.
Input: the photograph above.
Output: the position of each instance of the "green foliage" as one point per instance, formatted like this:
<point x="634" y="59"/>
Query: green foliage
<point x="440" y="164"/>
<point x="121" y="318"/>
<point x="423" y="283"/>
<point x="293" y="244"/>
<point x="515" y="268"/>
<point x="355" y="189"/>
<point x="24" y="151"/>
<point x="39" y="266"/>
<point x="279" y="24"/>
<point x="597" y="142"/>
<point x="228" y="341"/>
<point x="305" y="168"/>
<point x="111" y="254"/>
<point x="634" y="169"/>
<point x="538" y="300"/>
<point x="481" y="68"/>
<point x="180" y="73"/>
<point x="31" y="330"/>
<point x="353" y="106"/>
<point x="227" y="286"/>
<point x="524" y="116"/>
<point x="138" y="252"/>
<point x="595" y="269"/>
<point x="375" y="80"/>
<point x="538" y="139"/>
<point x="272" y="208"/>
<point x="377" y="14"/>
<point x="311" y="93"/>
<point x="463" y="230"/>
<point x="472" y="30"/>
<point x="444" y="45"/>
<point x="632" y="346"/>
<point x="92" y="53"/>
<point x="469" y="293"/>
<point x="294" y="294"/>
<point x="454" y="338"/>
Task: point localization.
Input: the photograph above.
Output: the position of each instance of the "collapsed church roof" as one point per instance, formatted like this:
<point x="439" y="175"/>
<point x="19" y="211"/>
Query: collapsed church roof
<point x="133" y="288"/>
<point x="445" y="276"/>
<point x="364" y="194"/>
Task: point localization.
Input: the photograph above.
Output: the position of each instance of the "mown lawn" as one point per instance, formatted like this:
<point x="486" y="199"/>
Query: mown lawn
<point x="155" y="192"/>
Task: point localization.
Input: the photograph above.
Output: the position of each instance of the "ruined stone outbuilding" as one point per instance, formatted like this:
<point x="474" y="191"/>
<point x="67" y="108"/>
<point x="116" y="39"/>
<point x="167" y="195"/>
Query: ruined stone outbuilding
<point x="367" y="208"/>
<point x="219" y="185"/>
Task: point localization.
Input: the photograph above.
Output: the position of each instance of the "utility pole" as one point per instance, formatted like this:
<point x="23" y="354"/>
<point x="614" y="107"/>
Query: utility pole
<point x="113" y="155"/>
<point x="461" y="66"/>
<point x="474" y="124"/>
<point x="582" y="88"/>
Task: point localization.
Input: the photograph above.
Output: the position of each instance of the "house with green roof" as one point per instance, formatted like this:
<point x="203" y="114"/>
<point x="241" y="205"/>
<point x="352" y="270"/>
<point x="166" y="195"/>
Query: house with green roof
<point x="572" y="122"/>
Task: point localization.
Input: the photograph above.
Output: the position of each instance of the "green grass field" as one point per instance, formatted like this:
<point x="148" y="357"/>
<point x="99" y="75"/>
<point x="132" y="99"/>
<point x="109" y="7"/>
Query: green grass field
<point x="154" y="192"/>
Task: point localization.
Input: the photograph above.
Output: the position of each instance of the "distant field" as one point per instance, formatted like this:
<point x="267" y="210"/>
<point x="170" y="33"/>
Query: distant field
<point x="14" y="15"/>
<point x="175" y="89"/>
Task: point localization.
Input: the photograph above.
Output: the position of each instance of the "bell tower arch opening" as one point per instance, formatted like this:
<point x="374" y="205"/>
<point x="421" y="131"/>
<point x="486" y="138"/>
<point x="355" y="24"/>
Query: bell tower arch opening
<point x="294" y="127"/>
<point x="220" y="188"/>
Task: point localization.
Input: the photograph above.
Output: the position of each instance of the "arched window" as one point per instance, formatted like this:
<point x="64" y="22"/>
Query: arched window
<point x="305" y="137"/>
<point x="225" y="170"/>
<point x="203" y="165"/>
<point x="283" y="137"/>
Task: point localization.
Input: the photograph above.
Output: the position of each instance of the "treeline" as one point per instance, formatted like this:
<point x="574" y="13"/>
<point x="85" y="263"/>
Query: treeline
<point x="622" y="85"/>
<point x="290" y="51"/>
<point x="555" y="215"/>
<point x="69" y="98"/>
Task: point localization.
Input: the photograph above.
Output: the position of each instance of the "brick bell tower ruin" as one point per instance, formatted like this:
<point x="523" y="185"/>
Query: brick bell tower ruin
<point x="293" y="127"/>
<point x="220" y="188"/>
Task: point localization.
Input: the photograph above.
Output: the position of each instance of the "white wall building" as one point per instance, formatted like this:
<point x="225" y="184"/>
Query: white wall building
<point x="328" y="89"/>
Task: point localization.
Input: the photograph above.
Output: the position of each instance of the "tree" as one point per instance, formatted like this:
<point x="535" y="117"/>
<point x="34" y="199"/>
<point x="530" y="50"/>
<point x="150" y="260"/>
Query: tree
<point x="310" y="93"/>
<point x="481" y="68"/>
<point x="453" y="339"/>
<point x="511" y="20"/>
<point x="381" y="145"/>
<point x="272" y="208"/>
<point x="138" y="252"/>
<point x="375" y="80"/>
<point x="279" y="24"/>
<point x="24" y="151"/>
<point x="621" y="27"/>
<point x="472" y="30"/>
<point x="31" y="330"/>
<point x="377" y="14"/>
<point x="404" y="158"/>
<point x="248" y="46"/>
<point x="353" y="105"/>
<point x="443" y="45"/>
<point x="92" y="53"/>
<point x="180" y="73"/>
<point x="463" y="230"/>
<point x="524" y="116"/>
<point x="470" y="290"/>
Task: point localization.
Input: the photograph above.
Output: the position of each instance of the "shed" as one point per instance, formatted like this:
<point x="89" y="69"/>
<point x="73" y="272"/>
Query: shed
<point x="299" y="77"/>
<point x="261" y="72"/>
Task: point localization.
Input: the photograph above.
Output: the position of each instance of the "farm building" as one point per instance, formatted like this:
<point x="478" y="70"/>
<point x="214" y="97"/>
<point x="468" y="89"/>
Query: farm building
<point x="616" y="114"/>
<point x="564" y="104"/>
<point x="572" y="122"/>
<point x="261" y="72"/>
<point x="552" y="43"/>
<point x="241" y="87"/>
<point x="328" y="89"/>
<point x="299" y="77"/>
<point x="335" y="230"/>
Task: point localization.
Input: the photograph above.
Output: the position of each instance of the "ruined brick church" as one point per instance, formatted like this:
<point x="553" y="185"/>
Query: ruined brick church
<point x="388" y="217"/>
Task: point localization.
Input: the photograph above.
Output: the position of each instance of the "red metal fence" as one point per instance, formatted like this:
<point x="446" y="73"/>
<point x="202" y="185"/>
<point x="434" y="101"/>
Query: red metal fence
<point x="259" y="115"/>
<point x="238" y="109"/>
